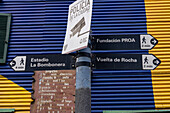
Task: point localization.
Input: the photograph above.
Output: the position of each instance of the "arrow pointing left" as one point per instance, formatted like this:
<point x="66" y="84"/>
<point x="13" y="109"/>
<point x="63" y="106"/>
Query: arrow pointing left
<point x="18" y="63"/>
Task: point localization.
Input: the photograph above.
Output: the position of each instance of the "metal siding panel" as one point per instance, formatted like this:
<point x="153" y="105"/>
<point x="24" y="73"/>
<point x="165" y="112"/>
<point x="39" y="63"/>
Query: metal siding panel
<point x="26" y="29"/>
<point x="39" y="26"/>
<point x="120" y="90"/>
<point x="158" y="22"/>
<point x="13" y="95"/>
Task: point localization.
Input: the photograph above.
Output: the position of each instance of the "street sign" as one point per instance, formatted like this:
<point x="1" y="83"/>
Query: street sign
<point x="126" y="61"/>
<point x="18" y="63"/>
<point x="123" y="42"/>
<point x="41" y="62"/>
<point x="78" y="26"/>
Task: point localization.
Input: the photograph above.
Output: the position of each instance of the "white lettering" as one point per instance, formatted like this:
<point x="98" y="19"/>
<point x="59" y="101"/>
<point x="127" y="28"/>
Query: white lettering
<point x="108" y="40"/>
<point x="128" y="40"/>
<point x="50" y="64"/>
<point x="39" y="59"/>
<point x="104" y="59"/>
<point x="128" y="60"/>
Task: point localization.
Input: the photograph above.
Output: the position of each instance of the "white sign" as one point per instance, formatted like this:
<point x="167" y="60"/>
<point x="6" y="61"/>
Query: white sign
<point x="147" y="41"/>
<point x="150" y="62"/>
<point x="78" y="26"/>
<point x="18" y="63"/>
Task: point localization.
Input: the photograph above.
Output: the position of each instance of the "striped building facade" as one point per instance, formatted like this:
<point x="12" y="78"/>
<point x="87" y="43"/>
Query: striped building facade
<point x="39" y="26"/>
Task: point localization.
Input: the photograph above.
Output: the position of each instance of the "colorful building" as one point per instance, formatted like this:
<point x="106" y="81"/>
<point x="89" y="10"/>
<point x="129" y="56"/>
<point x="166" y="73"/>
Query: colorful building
<point x="39" y="26"/>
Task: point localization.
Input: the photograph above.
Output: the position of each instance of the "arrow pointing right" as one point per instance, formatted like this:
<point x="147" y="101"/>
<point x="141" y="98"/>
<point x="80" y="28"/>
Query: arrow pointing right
<point x="125" y="61"/>
<point x="150" y="62"/>
<point x="154" y="41"/>
<point x="147" y="41"/>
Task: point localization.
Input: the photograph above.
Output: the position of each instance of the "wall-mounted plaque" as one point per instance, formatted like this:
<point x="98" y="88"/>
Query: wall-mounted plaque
<point x="54" y="91"/>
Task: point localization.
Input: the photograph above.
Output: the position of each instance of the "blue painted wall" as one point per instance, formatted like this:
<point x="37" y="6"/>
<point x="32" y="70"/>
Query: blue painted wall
<point x="39" y="26"/>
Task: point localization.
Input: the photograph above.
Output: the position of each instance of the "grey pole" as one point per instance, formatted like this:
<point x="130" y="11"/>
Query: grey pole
<point x="83" y="81"/>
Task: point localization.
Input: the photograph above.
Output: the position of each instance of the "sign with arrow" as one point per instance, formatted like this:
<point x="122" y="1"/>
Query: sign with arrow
<point x="123" y="42"/>
<point x="78" y="26"/>
<point x="126" y="61"/>
<point x="18" y="63"/>
<point x="41" y="62"/>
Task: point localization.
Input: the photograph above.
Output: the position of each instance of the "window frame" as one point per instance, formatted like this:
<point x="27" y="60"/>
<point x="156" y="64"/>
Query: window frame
<point x="3" y="60"/>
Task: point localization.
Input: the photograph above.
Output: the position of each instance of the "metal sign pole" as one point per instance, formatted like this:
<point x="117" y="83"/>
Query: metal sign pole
<point x="83" y="81"/>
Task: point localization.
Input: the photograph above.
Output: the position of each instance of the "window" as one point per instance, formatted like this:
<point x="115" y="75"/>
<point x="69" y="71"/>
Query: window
<point x="5" y="20"/>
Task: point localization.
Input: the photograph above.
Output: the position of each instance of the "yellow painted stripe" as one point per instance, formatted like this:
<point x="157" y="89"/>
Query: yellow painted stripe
<point x="158" y="94"/>
<point x="12" y="89"/>
<point x="14" y="104"/>
<point x="158" y="25"/>
<point x="14" y="96"/>
<point x="157" y="2"/>
<point x="17" y="108"/>
<point x="14" y="92"/>
<point x="6" y="82"/>
<point x="7" y="85"/>
<point x="161" y="78"/>
<point x="163" y="56"/>
<point x="15" y="100"/>
<point x="22" y="112"/>
<point x="163" y="97"/>
<point x="160" y="75"/>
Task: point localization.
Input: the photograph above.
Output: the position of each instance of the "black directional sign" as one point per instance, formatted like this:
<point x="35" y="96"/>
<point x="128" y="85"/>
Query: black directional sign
<point x="126" y="61"/>
<point x="123" y="42"/>
<point x="41" y="62"/>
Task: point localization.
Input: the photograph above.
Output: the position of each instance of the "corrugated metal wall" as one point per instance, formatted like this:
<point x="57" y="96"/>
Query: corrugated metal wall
<point x="39" y="26"/>
<point x="25" y="38"/>
<point x="120" y="90"/>
<point x="158" y="24"/>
